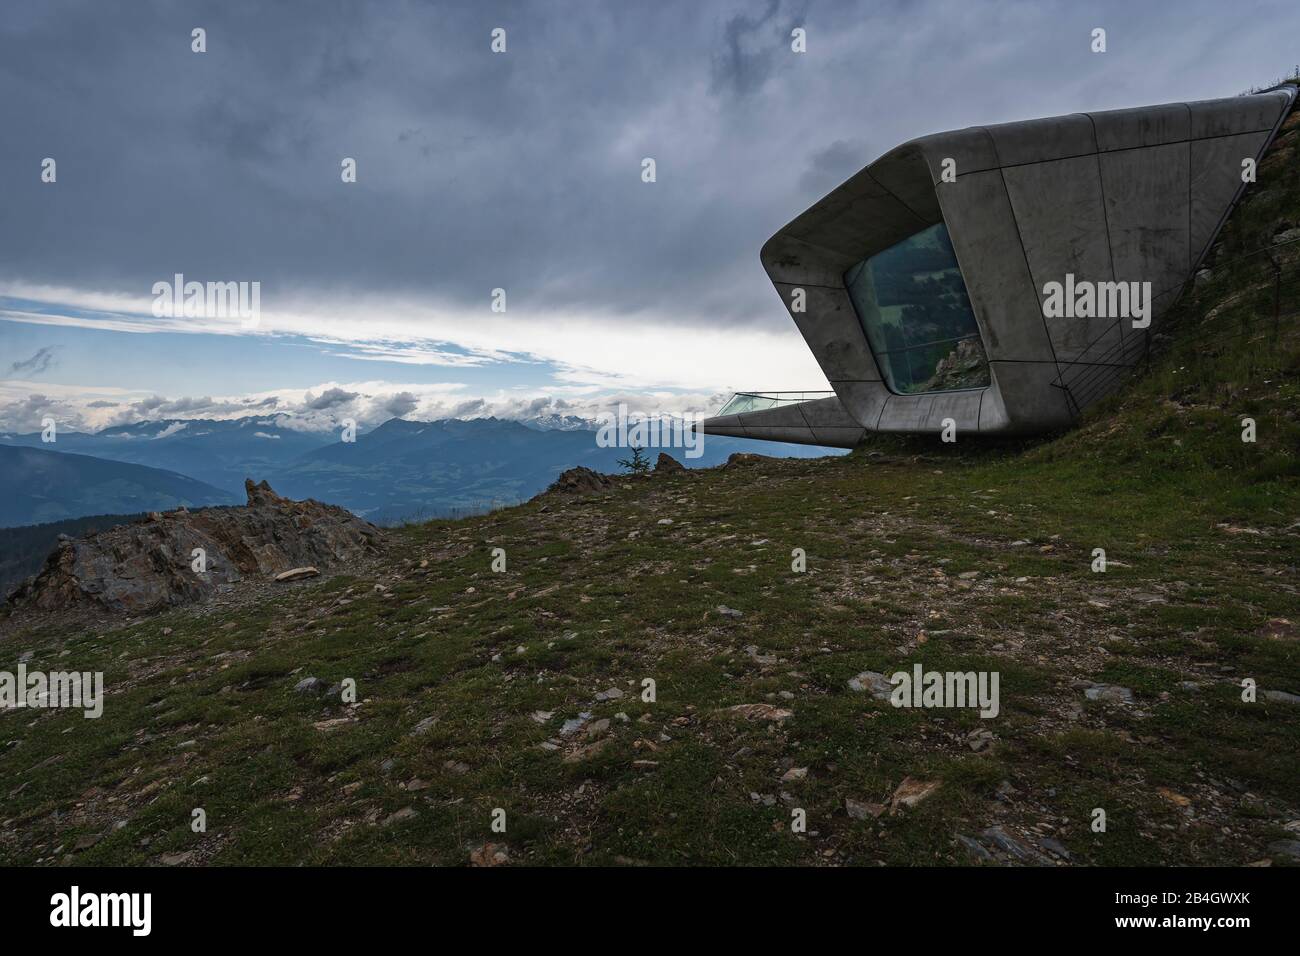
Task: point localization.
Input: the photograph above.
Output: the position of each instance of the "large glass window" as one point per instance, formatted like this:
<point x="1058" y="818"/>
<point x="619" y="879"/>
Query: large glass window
<point x="912" y="302"/>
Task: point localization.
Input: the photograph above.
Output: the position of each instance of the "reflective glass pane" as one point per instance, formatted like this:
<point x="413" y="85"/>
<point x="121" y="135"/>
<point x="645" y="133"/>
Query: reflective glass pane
<point x="912" y="302"/>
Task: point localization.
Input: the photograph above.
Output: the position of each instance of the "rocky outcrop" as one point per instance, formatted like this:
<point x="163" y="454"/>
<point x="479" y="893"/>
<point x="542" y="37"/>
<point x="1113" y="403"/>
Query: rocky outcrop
<point x="580" y="479"/>
<point x="181" y="556"/>
<point x="739" y="458"/>
<point x="667" y="464"/>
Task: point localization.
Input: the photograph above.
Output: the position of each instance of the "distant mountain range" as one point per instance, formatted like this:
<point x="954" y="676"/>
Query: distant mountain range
<point x="221" y="453"/>
<point x="406" y="470"/>
<point x="400" y="470"/>
<point x="37" y="486"/>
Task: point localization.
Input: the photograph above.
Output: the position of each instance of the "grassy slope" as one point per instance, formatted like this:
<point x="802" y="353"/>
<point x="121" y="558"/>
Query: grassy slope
<point x="1200" y="530"/>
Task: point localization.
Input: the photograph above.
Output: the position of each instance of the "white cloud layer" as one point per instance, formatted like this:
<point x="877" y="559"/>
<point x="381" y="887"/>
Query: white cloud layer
<point x="640" y="351"/>
<point x="323" y="407"/>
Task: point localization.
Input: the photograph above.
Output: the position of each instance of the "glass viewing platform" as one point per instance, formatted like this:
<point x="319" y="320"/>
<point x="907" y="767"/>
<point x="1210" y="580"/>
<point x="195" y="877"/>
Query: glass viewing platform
<point x="756" y="401"/>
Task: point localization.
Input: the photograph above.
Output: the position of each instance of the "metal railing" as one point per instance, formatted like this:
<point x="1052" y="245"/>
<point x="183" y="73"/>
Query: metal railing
<point x="757" y="401"/>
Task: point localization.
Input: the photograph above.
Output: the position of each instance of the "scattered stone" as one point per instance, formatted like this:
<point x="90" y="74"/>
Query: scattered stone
<point x="968" y="576"/>
<point x="760" y="712"/>
<point x="1281" y="697"/>
<point x="295" y="574"/>
<point x="489" y="854"/>
<point x="542" y="716"/>
<point x="975" y="848"/>
<point x="597" y="728"/>
<point x="406" y="813"/>
<point x="1278" y="629"/>
<point x="572" y="726"/>
<point x="424" y="726"/>
<point x="859" y="810"/>
<point x="1109" y="694"/>
<point x="456" y="766"/>
<point x="729" y="611"/>
<point x="589" y="751"/>
<point x="86" y="841"/>
<point x="912" y="791"/>
<point x="1015" y="845"/>
<point x="1055" y="847"/>
<point x="1286" y="848"/>
<point x="612" y="694"/>
<point x="310" y="685"/>
<point x="333" y="724"/>
<point x="794" y="773"/>
<point x="1170" y="796"/>
<point x="177" y="859"/>
<point x="870" y="681"/>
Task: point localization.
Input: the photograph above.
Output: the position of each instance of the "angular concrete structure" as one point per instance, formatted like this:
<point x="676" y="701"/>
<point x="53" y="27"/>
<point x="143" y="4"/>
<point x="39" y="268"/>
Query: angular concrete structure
<point x="1002" y="277"/>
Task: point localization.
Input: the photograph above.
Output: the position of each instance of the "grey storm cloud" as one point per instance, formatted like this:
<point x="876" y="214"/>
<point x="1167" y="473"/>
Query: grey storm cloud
<point x="38" y="362"/>
<point x="830" y="166"/>
<point x="752" y="47"/>
<point x="30" y="413"/>
<point x="330" y="398"/>
<point x="155" y="406"/>
<point x="522" y="170"/>
<point x="467" y="409"/>
<point x="402" y="403"/>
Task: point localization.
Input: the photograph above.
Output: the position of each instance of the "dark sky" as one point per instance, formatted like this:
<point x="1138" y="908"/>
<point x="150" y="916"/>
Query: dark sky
<point x="522" y="170"/>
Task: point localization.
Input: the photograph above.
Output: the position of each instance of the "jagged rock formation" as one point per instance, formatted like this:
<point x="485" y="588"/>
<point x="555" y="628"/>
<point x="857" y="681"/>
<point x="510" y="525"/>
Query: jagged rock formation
<point x="667" y="464"/>
<point x="156" y="563"/>
<point x="580" y="479"/>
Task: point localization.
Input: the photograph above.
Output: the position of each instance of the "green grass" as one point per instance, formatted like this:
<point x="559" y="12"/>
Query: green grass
<point x="1200" y="530"/>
